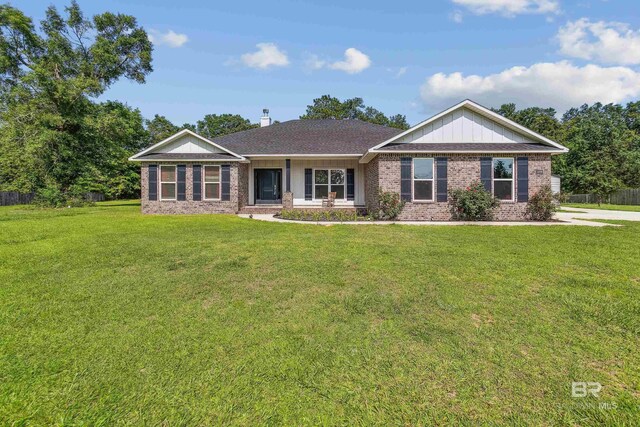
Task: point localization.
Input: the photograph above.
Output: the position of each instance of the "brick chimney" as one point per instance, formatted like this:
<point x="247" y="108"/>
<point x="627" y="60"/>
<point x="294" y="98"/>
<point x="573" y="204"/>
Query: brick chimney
<point x="265" y="120"/>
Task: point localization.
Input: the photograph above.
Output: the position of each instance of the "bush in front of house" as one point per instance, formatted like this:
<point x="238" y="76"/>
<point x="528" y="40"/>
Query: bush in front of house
<point x="472" y="203"/>
<point x="317" y="215"/>
<point x="390" y="206"/>
<point x="541" y="205"/>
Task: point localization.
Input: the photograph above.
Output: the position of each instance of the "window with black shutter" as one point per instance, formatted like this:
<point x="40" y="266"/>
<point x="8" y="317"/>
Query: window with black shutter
<point x="153" y="182"/>
<point x="405" y="178"/>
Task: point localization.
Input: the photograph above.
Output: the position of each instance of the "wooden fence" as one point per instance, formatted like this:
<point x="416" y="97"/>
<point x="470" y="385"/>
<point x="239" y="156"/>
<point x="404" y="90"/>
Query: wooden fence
<point x="10" y="198"/>
<point x="621" y="197"/>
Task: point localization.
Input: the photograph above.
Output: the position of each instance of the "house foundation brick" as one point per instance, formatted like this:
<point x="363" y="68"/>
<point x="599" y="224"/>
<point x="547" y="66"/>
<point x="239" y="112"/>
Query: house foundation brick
<point x="462" y="170"/>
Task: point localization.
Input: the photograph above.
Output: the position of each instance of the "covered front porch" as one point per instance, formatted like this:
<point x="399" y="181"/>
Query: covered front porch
<point x="302" y="182"/>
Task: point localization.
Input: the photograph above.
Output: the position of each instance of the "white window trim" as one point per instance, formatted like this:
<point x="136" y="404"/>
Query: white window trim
<point x="512" y="179"/>
<point x="433" y="180"/>
<point x="175" y="182"/>
<point x="204" y="182"/>
<point x="329" y="169"/>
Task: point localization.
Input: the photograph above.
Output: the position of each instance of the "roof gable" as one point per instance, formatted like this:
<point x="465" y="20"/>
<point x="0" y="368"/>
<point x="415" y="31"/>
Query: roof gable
<point x="183" y="145"/>
<point x="466" y="122"/>
<point x="188" y="144"/>
<point x="464" y="125"/>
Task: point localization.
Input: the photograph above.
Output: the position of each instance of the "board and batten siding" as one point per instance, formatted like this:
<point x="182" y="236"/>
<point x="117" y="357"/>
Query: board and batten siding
<point x="463" y="125"/>
<point x="297" y="177"/>
<point x="189" y="144"/>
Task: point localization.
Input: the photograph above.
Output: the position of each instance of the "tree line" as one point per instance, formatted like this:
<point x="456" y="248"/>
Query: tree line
<point x="55" y="135"/>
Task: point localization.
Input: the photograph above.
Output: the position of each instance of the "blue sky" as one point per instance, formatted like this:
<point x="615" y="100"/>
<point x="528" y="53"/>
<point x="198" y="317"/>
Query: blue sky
<point x="411" y="57"/>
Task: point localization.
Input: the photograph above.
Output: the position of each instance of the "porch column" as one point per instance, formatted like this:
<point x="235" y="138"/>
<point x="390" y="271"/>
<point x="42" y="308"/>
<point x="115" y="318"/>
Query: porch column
<point x="287" y="197"/>
<point x="287" y="175"/>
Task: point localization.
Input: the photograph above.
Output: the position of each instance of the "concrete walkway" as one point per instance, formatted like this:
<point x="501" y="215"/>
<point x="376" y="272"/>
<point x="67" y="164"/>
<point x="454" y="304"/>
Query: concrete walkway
<point x="564" y="219"/>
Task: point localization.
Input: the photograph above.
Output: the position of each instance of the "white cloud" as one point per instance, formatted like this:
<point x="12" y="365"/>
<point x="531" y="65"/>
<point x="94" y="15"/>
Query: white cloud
<point x="510" y="7"/>
<point x="608" y="42"/>
<point x="313" y="62"/>
<point x="354" y="62"/>
<point x="456" y="16"/>
<point x="560" y="85"/>
<point x="267" y="55"/>
<point x="170" y="38"/>
<point x="401" y="72"/>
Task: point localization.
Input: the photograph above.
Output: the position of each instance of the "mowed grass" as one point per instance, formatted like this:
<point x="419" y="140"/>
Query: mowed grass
<point x="604" y="206"/>
<point x="109" y="317"/>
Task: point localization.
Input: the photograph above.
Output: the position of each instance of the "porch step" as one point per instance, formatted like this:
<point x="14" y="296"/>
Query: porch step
<point x="268" y="209"/>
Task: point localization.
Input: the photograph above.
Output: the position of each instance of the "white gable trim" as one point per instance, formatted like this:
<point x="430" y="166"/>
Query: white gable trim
<point x="477" y="108"/>
<point x="178" y="135"/>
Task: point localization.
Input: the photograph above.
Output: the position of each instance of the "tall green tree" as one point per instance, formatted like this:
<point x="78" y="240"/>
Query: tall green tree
<point x="49" y="80"/>
<point x="160" y="128"/>
<point x="603" y="154"/>
<point x="119" y="130"/>
<point x="539" y="120"/>
<point x="329" y="107"/>
<point x="214" y="125"/>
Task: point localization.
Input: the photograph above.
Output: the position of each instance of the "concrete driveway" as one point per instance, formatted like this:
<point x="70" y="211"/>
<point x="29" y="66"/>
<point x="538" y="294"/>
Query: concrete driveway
<point x="587" y="214"/>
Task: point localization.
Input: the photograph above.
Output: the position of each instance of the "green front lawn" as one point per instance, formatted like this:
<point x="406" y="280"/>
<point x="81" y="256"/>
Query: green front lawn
<point x="628" y="208"/>
<point x="110" y="317"/>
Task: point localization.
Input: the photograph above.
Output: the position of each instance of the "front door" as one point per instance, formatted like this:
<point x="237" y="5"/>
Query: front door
<point x="267" y="186"/>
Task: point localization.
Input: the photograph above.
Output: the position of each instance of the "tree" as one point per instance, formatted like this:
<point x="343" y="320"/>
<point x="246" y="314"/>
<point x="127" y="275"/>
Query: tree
<point x="539" y="120"/>
<point x="328" y="107"/>
<point x="119" y="129"/>
<point x="189" y="126"/>
<point x="160" y="128"/>
<point x="603" y="154"/>
<point x="214" y="125"/>
<point x="48" y="81"/>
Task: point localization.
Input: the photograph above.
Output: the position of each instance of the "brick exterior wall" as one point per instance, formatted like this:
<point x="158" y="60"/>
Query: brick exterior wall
<point x="243" y="185"/>
<point x="462" y="169"/>
<point x="189" y="206"/>
<point x="371" y="183"/>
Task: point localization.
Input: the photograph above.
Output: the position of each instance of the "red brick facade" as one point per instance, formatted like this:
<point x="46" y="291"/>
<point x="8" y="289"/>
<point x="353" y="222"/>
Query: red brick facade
<point x="381" y="172"/>
<point x="189" y="206"/>
<point x="462" y="169"/>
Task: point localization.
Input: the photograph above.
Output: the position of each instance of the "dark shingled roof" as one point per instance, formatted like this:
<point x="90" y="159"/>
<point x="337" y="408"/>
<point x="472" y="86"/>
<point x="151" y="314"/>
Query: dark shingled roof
<point x="468" y="146"/>
<point x="187" y="156"/>
<point x="308" y="137"/>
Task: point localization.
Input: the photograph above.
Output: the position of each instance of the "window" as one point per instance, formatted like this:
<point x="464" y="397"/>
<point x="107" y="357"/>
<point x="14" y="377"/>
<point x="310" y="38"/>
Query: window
<point x="423" y="179"/>
<point x="167" y="182"/>
<point x="503" y="178"/>
<point x="327" y="181"/>
<point x="212" y="182"/>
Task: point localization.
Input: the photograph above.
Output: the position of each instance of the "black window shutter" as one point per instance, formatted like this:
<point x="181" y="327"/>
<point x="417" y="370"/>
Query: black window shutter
<point x="405" y="178"/>
<point x="351" y="184"/>
<point x="153" y="182"/>
<point x="523" y="179"/>
<point x="287" y="176"/>
<point x="308" y="184"/>
<point x="182" y="182"/>
<point x="225" y="181"/>
<point x="197" y="183"/>
<point x="441" y="179"/>
<point x="485" y="172"/>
